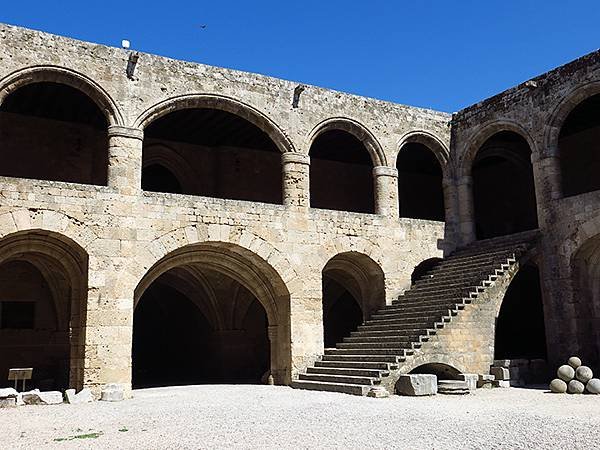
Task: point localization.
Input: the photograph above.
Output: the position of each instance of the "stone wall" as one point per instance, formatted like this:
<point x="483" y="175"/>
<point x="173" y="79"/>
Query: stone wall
<point x="128" y="236"/>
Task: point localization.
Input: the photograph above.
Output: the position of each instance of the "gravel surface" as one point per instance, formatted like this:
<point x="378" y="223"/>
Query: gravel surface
<point x="245" y="416"/>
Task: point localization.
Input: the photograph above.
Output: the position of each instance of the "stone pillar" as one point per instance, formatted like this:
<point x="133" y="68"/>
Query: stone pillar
<point x="125" y="159"/>
<point x="296" y="185"/>
<point x="451" y="213"/>
<point x="466" y="209"/>
<point x="109" y="319"/>
<point x="386" y="191"/>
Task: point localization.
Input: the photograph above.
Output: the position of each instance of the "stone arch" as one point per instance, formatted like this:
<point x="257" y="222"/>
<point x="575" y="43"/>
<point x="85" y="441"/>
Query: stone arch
<point x="485" y="132"/>
<point x="165" y="156"/>
<point x="218" y="102"/>
<point x="47" y="220"/>
<point x="64" y="265"/>
<point x="501" y="208"/>
<point x="442" y="370"/>
<point x="67" y="77"/>
<point x="353" y="288"/>
<point x="561" y="111"/>
<point x="423" y="176"/>
<point x="356" y="129"/>
<point x="420" y="271"/>
<point x="255" y="266"/>
<point x="432" y="142"/>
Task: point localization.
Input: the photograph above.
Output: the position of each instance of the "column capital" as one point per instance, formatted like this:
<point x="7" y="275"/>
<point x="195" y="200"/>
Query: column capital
<point x="385" y="171"/>
<point x="120" y="131"/>
<point x="295" y="158"/>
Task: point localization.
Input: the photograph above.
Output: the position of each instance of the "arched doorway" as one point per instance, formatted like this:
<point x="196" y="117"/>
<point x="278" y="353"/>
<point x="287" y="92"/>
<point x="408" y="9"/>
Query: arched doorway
<point x="341" y="173"/>
<point x="520" y="331"/>
<point x="353" y="288"/>
<point x="43" y="288"/>
<point x="585" y="269"/>
<point x="503" y="187"/>
<point x="52" y="131"/>
<point x="578" y="144"/>
<point x="423" y="268"/>
<point x="211" y="313"/>
<point x="420" y="190"/>
<point x="225" y="156"/>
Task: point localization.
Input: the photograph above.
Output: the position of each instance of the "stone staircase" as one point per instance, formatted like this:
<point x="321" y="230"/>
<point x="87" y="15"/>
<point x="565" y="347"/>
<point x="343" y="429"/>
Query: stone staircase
<point x="371" y="355"/>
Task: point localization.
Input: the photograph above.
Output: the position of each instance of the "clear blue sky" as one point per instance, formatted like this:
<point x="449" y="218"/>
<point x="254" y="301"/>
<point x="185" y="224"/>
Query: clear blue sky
<point x="438" y="54"/>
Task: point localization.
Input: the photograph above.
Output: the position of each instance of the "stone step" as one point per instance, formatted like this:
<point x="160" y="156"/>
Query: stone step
<point x="392" y="338"/>
<point x="366" y="365"/>
<point x="400" y="342"/>
<point x="363" y="358"/>
<point x="327" y="378"/>
<point x="425" y="312"/>
<point x="353" y="389"/>
<point x="459" y="278"/>
<point x="347" y="371"/>
<point x="365" y="336"/>
<point x="369" y="351"/>
<point x="398" y="309"/>
<point x="397" y="326"/>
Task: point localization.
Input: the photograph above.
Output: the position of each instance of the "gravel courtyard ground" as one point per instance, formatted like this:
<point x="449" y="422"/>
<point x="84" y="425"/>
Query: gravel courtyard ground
<point x="245" y="416"/>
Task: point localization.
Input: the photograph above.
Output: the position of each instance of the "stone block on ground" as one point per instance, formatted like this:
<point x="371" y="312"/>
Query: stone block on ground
<point x="501" y="383"/>
<point x="83" y="396"/>
<point x="378" y="392"/>
<point x="8" y="402"/>
<point x="502" y="363"/>
<point x="500" y="373"/>
<point x="453" y="387"/>
<point x="43" y="398"/>
<point x="558" y="386"/>
<point x="8" y="393"/>
<point x="584" y="374"/>
<point x="574" y="362"/>
<point x="417" y="385"/>
<point x="471" y="379"/>
<point x="593" y="386"/>
<point x="565" y="373"/>
<point x="112" y="392"/>
<point x="485" y="381"/>
<point x="575" y="387"/>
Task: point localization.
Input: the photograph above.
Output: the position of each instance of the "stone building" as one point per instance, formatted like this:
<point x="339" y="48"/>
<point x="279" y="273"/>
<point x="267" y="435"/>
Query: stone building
<point x="164" y="222"/>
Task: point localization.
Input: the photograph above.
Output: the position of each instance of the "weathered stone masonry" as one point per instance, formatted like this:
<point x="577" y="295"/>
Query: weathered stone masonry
<point x="105" y="244"/>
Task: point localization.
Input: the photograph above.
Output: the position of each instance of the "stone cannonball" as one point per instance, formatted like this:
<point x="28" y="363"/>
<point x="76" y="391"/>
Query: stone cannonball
<point x="584" y="374"/>
<point x="593" y="386"/>
<point x="574" y="362"/>
<point x="575" y="387"/>
<point x="565" y="373"/>
<point x="558" y="386"/>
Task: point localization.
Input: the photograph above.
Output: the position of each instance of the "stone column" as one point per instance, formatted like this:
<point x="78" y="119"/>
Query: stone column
<point x="125" y="159"/>
<point x="451" y="213"/>
<point x="466" y="209"/>
<point x="296" y="185"/>
<point x="109" y="319"/>
<point x="386" y="191"/>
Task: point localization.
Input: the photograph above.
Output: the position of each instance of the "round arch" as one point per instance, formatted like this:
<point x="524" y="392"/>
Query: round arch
<point x="68" y="77"/>
<point x="218" y="102"/>
<point x="165" y="156"/>
<point x="357" y="130"/>
<point x="485" y="132"/>
<point x="432" y="142"/>
<point x="253" y="273"/>
<point x="561" y="111"/>
<point x="64" y="265"/>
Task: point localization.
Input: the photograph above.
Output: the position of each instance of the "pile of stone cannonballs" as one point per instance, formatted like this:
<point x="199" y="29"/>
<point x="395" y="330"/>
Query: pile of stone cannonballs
<point x="575" y="378"/>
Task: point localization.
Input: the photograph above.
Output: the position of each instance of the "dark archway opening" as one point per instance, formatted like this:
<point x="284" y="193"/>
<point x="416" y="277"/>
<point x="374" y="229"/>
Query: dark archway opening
<point x="341" y="173"/>
<point x="341" y="312"/>
<point x="420" y="190"/>
<point x="440" y="370"/>
<point x="503" y="187"/>
<point x="51" y="131"/>
<point x="423" y="268"/>
<point x="31" y="332"/>
<point x="520" y="331"/>
<point x="228" y="156"/>
<point x="158" y="178"/>
<point x="205" y="328"/>
<point x="579" y="147"/>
